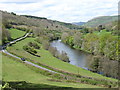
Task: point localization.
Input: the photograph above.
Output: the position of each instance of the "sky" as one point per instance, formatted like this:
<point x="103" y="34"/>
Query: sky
<point x="62" y="10"/>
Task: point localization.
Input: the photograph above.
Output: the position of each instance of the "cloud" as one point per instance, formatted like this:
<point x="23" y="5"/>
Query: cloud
<point x="62" y="10"/>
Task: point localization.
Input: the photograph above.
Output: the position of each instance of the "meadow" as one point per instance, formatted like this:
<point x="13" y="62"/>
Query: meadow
<point x="15" y="33"/>
<point x="17" y="72"/>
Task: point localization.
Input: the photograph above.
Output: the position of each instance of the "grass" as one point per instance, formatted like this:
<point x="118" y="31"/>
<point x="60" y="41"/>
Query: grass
<point x="48" y="59"/>
<point x="18" y="73"/>
<point x="15" y="33"/>
<point x="101" y="21"/>
<point x="0" y="41"/>
<point x="0" y="69"/>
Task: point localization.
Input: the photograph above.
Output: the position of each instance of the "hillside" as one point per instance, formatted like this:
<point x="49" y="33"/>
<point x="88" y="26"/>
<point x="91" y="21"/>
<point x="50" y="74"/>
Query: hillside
<point x="28" y="21"/>
<point x="38" y="25"/>
<point x="20" y="75"/>
<point x="31" y="39"/>
<point x="78" y="23"/>
<point x="101" y="21"/>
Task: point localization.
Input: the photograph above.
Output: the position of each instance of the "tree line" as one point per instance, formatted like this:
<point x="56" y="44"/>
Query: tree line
<point x="102" y="44"/>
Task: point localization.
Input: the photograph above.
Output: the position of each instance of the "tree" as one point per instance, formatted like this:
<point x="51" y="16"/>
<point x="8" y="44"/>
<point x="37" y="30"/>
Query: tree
<point x="78" y="39"/>
<point x="46" y="44"/>
<point x="34" y="45"/>
<point x="100" y="27"/>
<point x="13" y="13"/>
<point x="54" y="51"/>
<point x="29" y="49"/>
<point x="85" y="30"/>
<point x="40" y="39"/>
<point x="64" y="57"/>
<point x="5" y="35"/>
<point x="64" y="36"/>
<point x="110" y="49"/>
<point x="95" y="63"/>
<point x="90" y="42"/>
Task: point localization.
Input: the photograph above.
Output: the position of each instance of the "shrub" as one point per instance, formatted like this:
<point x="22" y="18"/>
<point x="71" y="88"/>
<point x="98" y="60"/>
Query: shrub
<point x="46" y="44"/>
<point x="40" y="40"/>
<point x="29" y="49"/>
<point x="62" y="56"/>
<point x="95" y="63"/>
<point x="34" y="45"/>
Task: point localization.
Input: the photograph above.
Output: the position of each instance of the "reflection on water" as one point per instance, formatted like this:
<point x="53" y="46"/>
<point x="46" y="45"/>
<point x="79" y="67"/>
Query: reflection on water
<point x="76" y="57"/>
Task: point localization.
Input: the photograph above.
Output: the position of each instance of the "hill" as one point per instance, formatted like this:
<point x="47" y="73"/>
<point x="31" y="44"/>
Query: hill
<point x="36" y="49"/>
<point x="28" y="21"/>
<point x="19" y="75"/>
<point x="68" y="25"/>
<point x="100" y="21"/>
<point x="78" y="23"/>
<point x="38" y="25"/>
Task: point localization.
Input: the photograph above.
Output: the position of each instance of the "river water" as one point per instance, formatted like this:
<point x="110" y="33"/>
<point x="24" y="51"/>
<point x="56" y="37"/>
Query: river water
<point x="76" y="57"/>
<point x="83" y="60"/>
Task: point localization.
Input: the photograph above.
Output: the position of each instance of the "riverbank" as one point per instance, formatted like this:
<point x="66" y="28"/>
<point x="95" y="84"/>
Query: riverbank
<point x="48" y="59"/>
<point x="90" y="79"/>
<point x="103" y="45"/>
<point x="83" y="59"/>
<point x="76" y="57"/>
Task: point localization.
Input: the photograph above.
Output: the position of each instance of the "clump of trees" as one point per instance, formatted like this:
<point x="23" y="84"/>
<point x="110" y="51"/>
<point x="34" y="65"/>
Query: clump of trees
<point x="46" y="45"/>
<point x="103" y="66"/>
<point x="100" y="43"/>
<point x="5" y="35"/>
<point x="63" y="56"/>
<point x="30" y="48"/>
<point x="60" y="55"/>
<point x="97" y="43"/>
<point x="94" y="64"/>
<point x="33" y="44"/>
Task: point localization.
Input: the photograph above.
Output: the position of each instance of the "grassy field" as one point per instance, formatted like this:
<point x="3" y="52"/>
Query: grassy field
<point x="14" y="71"/>
<point x="15" y="33"/>
<point x="48" y="59"/>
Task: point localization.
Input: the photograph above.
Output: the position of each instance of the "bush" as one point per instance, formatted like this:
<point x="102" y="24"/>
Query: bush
<point x="62" y="56"/>
<point x="40" y="40"/>
<point x="53" y="51"/>
<point x="34" y="45"/>
<point x="46" y="44"/>
<point x="95" y="63"/>
<point x="29" y="49"/>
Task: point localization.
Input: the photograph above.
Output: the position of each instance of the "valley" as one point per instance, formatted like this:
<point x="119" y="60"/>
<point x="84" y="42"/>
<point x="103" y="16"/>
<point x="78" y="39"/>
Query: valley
<point x="60" y="50"/>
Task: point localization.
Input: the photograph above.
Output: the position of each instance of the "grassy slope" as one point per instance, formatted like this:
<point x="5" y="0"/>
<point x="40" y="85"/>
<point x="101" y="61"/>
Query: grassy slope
<point x="0" y="41"/>
<point x="15" y="33"/>
<point x="16" y="71"/>
<point x="101" y="21"/>
<point x="47" y="58"/>
<point x="0" y="69"/>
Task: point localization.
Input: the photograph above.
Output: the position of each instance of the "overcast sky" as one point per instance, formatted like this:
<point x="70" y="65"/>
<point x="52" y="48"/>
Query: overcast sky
<point x="62" y="10"/>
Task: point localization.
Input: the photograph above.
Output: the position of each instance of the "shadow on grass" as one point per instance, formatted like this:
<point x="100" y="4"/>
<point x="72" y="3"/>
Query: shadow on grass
<point x="23" y="85"/>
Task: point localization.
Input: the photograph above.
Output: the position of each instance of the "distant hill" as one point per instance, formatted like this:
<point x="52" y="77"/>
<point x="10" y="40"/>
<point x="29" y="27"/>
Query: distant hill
<point x="78" y="23"/>
<point x="101" y="21"/>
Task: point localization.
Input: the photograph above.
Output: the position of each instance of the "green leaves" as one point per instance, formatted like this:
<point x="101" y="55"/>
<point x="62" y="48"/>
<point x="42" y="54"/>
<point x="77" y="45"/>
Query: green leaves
<point x="98" y="43"/>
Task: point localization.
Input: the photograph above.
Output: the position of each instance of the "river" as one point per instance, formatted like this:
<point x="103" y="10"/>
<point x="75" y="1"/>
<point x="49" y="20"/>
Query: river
<point x="76" y="57"/>
<point x="83" y="60"/>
